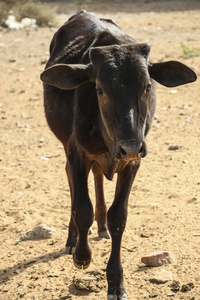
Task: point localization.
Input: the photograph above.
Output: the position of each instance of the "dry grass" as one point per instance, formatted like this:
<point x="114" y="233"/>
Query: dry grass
<point x="44" y="15"/>
<point x="38" y="11"/>
<point x="3" y="12"/>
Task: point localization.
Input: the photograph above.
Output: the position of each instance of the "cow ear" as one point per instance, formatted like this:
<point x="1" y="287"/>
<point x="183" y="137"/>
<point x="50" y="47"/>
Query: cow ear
<point x="171" y="73"/>
<point x="67" y="77"/>
<point x="145" y="49"/>
<point x="97" y="54"/>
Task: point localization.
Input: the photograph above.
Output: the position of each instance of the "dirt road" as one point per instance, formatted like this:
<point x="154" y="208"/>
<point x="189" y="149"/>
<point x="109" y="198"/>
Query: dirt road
<point x="164" y="205"/>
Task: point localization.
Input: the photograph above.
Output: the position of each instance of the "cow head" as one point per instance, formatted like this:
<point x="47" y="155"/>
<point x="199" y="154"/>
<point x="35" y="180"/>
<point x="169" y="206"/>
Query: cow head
<point x="126" y="92"/>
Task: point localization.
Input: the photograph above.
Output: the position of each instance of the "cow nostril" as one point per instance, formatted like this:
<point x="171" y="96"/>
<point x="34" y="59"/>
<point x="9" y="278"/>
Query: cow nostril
<point x="122" y="152"/>
<point x="143" y="151"/>
<point x="131" y="150"/>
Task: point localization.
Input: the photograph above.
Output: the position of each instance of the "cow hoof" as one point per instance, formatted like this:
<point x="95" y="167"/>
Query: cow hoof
<point x="104" y="234"/>
<point x="118" y="297"/>
<point x="81" y="264"/>
<point x="69" y="250"/>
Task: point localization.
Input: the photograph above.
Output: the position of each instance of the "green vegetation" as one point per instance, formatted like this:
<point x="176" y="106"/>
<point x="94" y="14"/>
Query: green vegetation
<point x="187" y="52"/>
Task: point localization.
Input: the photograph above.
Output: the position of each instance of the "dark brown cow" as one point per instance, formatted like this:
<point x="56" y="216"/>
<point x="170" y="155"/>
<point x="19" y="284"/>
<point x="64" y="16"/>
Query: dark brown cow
<point x="100" y="98"/>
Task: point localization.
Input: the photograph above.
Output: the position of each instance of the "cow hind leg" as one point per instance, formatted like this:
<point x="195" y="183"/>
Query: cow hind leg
<point x="72" y="231"/>
<point x="100" y="210"/>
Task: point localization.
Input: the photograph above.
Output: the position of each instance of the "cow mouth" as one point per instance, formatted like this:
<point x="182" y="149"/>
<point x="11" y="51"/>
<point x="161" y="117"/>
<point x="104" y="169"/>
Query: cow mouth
<point x="125" y="159"/>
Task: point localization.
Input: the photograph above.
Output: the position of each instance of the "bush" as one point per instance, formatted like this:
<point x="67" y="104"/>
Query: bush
<point x="43" y="15"/>
<point x="9" y="2"/>
<point x="5" y="7"/>
<point x="3" y="13"/>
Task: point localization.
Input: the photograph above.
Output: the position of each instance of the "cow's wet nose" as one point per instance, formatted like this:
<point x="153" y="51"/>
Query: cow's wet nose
<point x="131" y="150"/>
<point x="143" y="150"/>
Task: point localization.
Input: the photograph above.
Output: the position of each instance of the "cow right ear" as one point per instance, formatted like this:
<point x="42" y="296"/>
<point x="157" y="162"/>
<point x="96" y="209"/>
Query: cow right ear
<point x="172" y="73"/>
<point x="67" y="77"/>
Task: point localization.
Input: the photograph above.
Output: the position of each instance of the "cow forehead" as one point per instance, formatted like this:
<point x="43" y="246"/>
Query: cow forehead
<point x="119" y="75"/>
<point x="120" y="53"/>
<point x="125" y="62"/>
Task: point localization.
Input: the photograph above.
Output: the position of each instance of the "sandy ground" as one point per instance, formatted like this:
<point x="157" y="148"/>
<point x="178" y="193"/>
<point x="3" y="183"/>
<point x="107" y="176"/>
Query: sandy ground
<point x="164" y="205"/>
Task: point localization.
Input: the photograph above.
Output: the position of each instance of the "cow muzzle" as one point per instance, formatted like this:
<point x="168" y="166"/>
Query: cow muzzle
<point x="131" y="150"/>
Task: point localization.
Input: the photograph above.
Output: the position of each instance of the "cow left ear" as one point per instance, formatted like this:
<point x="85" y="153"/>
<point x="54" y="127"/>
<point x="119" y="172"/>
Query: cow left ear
<point x="171" y="73"/>
<point x="67" y="77"/>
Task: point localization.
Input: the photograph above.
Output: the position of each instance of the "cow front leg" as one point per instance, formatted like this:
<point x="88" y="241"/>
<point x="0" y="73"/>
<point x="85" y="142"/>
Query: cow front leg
<point x="100" y="209"/>
<point x="82" y="210"/>
<point x="117" y="215"/>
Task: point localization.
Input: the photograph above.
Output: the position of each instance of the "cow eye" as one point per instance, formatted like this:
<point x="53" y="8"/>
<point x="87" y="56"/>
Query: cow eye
<point x="148" y="87"/>
<point x="99" y="92"/>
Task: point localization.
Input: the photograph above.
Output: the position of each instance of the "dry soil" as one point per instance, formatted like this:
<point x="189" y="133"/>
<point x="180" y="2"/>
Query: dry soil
<point x="164" y="204"/>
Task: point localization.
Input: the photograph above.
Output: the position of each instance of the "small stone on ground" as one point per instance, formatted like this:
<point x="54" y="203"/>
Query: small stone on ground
<point x="158" y="258"/>
<point x="42" y="231"/>
<point x="161" y="276"/>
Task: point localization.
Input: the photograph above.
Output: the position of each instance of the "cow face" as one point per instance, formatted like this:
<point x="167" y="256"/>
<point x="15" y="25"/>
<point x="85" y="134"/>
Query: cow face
<point x="125" y="90"/>
<point x="123" y="86"/>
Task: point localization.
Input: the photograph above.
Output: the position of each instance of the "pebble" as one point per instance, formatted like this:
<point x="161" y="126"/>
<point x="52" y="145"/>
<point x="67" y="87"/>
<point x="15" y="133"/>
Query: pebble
<point x="187" y="287"/>
<point x="175" y="286"/>
<point x="41" y="142"/>
<point x="153" y="295"/>
<point x="158" y="258"/>
<point x="42" y="231"/>
<point x="175" y="147"/>
<point x="193" y="200"/>
<point x="173" y="91"/>
<point x="161" y="276"/>
<point x="189" y="120"/>
<point x="44" y="158"/>
<point x="170" y="294"/>
<point x="29" y="261"/>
